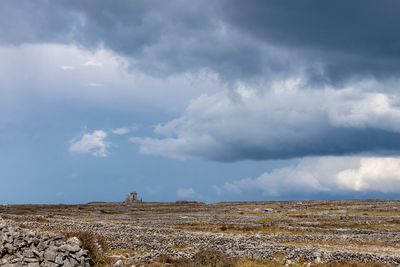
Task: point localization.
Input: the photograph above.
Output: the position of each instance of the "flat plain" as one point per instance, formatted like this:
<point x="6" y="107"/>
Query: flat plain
<point x="296" y="233"/>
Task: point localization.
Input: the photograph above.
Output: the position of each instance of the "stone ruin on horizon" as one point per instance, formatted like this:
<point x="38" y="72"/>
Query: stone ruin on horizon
<point x="132" y="198"/>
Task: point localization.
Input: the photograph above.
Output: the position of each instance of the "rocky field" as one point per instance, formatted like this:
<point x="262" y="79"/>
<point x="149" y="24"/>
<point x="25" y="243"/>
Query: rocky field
<point x="313" y="233"/>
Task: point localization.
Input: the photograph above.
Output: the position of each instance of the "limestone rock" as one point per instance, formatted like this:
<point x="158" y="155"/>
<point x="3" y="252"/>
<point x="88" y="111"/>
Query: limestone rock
<point x="118" y="263"/>
<point x="23" y="247"/>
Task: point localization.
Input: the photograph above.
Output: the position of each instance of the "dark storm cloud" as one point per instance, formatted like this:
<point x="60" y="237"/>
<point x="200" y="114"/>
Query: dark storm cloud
<point x="164" y="37"/>
<point x="357" y="26"/>
<point x="161" y="37"/>
<point x="333" y="40"/>
<point x="348" y="37"/>
<point x="330" y="142"/>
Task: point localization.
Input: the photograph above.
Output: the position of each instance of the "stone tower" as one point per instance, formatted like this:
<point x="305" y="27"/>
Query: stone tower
<point x="132" y="198"/>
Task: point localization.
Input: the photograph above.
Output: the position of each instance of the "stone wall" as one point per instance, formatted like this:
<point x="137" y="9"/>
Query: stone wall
<point x="22" y="247"/>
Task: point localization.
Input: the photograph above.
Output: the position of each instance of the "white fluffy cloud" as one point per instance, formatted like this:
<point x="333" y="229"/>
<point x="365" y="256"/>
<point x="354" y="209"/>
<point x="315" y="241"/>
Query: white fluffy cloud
<point x="284" y="120"/>
<point x="325" y="175"/>
<point x="94" y="143"/>
<point x="372" y="174"/>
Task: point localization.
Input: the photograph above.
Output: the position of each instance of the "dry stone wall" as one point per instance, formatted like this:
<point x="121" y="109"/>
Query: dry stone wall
<point x="23" y="247"/>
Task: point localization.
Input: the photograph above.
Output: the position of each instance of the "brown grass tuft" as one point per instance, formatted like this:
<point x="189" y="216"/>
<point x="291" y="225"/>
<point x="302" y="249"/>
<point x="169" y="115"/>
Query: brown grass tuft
<point x="95" y="245"/>
<point x="206" y="258"/>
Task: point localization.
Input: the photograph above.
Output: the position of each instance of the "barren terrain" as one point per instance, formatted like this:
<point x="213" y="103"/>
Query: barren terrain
<point x="311" y="233"/>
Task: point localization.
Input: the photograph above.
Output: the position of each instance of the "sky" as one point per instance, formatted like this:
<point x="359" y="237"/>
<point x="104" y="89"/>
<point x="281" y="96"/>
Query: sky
<point x="199" y="100"/>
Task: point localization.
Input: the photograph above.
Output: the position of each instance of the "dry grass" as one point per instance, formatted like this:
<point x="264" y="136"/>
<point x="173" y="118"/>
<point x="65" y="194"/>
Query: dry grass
<point x="211" y="258"/>
<point x="91" y="243"/>
<point x="122" y="251"/>
<point x="256" y="263"/>
<point x="22" y="218"/>
<point x="351" y="264"/>
<point x="14" y="218"/>
<point x="180" y="246"/>
<point x="266" y="228"/>
<point x="113" y="211"/>
<point x="206" y="258"/>
<point x="274" y="263"/>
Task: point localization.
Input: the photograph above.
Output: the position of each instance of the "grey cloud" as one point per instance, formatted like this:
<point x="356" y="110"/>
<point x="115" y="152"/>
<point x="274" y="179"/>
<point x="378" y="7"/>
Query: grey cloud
<point x="283" y="121"/>
<point x="348" y="37"/>
<point x="358" y="26"/>
<point x="35" y="22"/>
<point x="173" y="36"/>
<point x="329" y="41"/>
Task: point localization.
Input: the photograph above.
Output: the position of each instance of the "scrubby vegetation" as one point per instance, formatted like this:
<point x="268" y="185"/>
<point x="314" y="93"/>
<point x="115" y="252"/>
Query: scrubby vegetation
<point x="96" y="246"/>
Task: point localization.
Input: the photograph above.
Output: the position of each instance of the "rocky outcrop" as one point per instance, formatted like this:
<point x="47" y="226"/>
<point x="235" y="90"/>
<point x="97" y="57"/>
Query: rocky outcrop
<point x="23" y="247"/>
